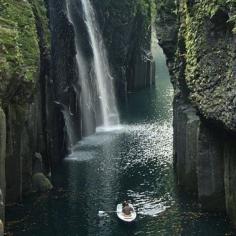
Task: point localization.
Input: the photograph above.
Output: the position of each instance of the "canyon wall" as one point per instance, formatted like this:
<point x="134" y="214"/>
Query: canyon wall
<point x="24" y="70"/>
<point x="203" y="74"/>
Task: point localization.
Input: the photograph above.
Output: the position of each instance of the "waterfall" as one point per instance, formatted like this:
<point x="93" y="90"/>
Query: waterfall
<point x="102" y="93"/>
<point x="103" y="76"/>
<point x="86" y="94"/>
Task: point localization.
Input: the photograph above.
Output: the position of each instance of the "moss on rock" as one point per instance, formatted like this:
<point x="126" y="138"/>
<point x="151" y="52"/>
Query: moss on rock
<point x="24" y="43"/>
<point x="21" y="23"/>
<point x="207" y="30"/>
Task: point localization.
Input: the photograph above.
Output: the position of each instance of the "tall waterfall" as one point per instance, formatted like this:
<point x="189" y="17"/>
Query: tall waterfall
<point x="102" y="93"/>
<point x="84" y="82"/>
<point x="103" y="76"/>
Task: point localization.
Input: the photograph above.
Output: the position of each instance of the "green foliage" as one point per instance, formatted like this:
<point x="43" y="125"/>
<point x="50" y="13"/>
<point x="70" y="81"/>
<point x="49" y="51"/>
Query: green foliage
<point x="209" y="55"/>
<point x="41" y="18"/>
<point x="10" y="56"/>
<point x="148" y="9"/>
<point x="19" y="44"/>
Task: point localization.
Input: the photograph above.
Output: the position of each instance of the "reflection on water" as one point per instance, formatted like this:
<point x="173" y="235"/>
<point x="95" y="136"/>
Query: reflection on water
<point x="132" y="162"/>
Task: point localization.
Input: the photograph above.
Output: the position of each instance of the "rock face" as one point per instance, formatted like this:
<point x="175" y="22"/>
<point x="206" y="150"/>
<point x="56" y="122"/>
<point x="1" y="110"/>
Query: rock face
<point x="64" y="84"/>
<point x="230" y="177"/>
<point x="167" y="27"/>
<point x="2" y="161"/>
<point x="207" y="31"/>
<point x="24" y="71"/>
<point x="210" y="169"/>
<point x="204" y="111"/>
<point x="186" y="133"/>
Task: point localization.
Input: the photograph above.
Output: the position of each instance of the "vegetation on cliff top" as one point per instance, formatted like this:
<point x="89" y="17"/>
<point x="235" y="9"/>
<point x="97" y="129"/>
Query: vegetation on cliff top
<point x="207" y="31"/>
<point x="19" y="45"/>
<point x="21" y="21"/>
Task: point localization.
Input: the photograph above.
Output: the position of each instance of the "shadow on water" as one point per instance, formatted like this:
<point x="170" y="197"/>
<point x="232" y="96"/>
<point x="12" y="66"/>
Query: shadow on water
<point x="133" y="162"/>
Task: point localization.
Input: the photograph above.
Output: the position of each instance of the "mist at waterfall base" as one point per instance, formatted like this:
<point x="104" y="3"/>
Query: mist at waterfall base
<point x="132" y="163"/>
<point x="98" y="102"/>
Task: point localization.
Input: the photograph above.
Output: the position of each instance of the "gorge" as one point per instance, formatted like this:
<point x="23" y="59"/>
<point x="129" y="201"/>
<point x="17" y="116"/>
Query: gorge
<point x="86" y="116"/>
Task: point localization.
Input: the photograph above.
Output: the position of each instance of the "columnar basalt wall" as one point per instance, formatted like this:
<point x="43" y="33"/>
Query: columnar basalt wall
<point x="24" y="70"/>
<point x="210" y="169"/>
<point x="199" y="157"/>
<point x="230" y="177"/>
<point x="204" y="109"/>
<point x="186" y="134"/>
<point x="2" y="162"/>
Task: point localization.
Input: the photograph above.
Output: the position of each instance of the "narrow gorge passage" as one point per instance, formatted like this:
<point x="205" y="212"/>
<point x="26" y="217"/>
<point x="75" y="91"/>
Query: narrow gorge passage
<point x="132" y="162"/>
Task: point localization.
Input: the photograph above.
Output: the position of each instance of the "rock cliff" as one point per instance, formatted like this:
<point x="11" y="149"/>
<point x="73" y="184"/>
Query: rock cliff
<point x="204" y="105"/>
<point x="24" y="58"/>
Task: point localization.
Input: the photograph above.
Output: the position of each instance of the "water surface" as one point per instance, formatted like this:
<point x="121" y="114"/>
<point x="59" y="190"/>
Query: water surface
<point x="133" y="161"/>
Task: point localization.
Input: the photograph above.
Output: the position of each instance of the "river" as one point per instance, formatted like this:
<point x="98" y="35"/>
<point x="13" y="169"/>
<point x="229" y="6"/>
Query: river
<point x="132" y="161"/>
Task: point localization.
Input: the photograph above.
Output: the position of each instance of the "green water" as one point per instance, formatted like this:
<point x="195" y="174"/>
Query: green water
<point x="132" y="162"/>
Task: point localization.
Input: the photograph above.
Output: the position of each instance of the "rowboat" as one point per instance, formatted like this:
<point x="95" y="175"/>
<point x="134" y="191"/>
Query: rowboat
<point x="123" y="217"/>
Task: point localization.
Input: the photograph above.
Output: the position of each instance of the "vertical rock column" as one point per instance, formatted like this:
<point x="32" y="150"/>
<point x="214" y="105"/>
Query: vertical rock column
<point x="230" y="179"/>
<point x="2" y="163"/>
<point x="210" y="170"/>
<point x="186" y="124"/>
<point x="16" y="117"/>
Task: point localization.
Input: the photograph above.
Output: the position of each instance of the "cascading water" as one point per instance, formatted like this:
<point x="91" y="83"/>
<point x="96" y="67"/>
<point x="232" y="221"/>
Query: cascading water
<point x="103" y="76"/>
<point x="86" y="94"/>
<point x="105" y="113"/>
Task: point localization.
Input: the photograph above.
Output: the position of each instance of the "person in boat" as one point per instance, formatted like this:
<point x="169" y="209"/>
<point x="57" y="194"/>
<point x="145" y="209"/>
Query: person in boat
<point x="126" y="209"/>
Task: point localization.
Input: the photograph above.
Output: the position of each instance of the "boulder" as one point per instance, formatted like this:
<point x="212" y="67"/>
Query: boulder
<point x="41" y="183"/>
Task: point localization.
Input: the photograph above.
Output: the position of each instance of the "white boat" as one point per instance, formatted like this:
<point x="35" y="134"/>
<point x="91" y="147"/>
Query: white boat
<point x="123" y="217"/>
